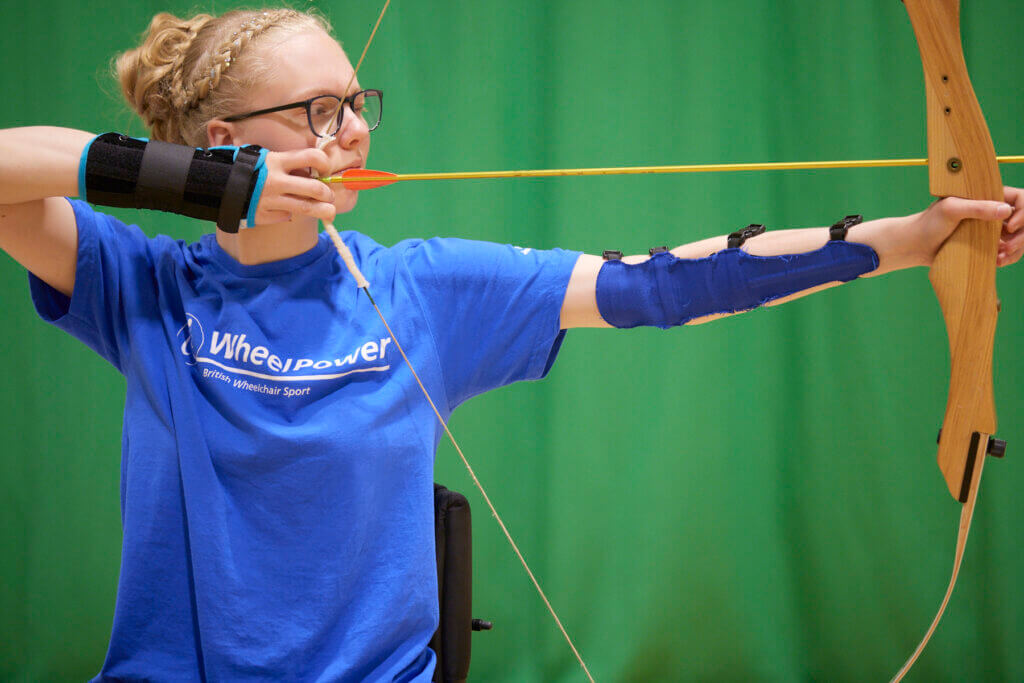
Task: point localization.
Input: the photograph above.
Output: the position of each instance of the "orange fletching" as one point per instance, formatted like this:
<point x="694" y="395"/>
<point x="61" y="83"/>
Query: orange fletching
<point x="372" y="178"/>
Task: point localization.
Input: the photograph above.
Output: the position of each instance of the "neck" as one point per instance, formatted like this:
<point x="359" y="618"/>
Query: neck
<point x="269" y="243"/>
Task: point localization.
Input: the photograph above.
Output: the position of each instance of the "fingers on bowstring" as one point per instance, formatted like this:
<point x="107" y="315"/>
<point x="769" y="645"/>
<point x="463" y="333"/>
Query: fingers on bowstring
<point x="298" y="204"/>
<point x="309" y="158"/>
<point x="302" y="186"/>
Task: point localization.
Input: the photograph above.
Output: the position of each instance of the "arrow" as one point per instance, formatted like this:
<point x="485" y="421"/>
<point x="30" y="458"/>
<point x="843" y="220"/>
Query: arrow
<point x="366" y="179"/>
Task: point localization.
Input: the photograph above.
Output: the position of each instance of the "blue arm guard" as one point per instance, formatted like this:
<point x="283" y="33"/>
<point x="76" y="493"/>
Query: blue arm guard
<point x="221" y="184"/>
<point x="665" y="291"/>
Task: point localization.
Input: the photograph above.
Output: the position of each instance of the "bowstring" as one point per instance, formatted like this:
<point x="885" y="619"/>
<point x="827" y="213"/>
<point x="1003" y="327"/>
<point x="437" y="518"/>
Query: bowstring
<point x="366" y="47"/>
<point x="966" y="513"/>
<point x="361" y="282"/>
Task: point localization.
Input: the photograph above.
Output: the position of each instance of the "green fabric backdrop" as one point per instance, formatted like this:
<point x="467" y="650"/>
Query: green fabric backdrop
<point x="755" y="499"/>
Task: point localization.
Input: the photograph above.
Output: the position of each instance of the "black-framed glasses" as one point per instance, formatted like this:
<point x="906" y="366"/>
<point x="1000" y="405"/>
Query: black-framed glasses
<point x="326" y="113"/>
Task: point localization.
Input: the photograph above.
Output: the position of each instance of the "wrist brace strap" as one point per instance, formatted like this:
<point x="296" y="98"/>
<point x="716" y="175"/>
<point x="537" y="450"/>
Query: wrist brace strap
<point x="221" y="184"/>
<point x="665" y="290"/>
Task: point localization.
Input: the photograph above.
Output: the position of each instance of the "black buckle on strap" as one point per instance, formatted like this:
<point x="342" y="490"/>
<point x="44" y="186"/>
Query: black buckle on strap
<point x="611" y="255"/>
<point x="736" y="239"/>
<point x="841" y="227"/>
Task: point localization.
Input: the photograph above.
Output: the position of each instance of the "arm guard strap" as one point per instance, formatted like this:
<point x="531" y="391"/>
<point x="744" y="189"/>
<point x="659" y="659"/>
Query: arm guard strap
<point x="221" y="184"/>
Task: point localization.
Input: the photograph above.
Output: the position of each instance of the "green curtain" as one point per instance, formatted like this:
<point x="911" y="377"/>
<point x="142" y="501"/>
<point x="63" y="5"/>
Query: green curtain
<point x="753" y="499"/>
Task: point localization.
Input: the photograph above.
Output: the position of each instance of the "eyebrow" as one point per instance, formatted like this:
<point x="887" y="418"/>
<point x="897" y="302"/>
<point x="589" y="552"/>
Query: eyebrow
<point x="316" y="92"/>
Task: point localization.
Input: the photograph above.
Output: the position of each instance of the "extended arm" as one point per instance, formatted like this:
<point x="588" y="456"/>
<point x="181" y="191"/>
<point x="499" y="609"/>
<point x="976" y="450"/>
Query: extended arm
<point x="899" y="243"/>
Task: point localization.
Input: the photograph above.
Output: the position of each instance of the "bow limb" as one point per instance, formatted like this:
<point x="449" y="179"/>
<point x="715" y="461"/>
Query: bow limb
<point x="961" y="162"/>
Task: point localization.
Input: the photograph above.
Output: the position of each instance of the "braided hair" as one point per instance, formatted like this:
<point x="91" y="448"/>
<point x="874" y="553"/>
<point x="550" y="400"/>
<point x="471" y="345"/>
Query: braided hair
<point x="189" y="71"/>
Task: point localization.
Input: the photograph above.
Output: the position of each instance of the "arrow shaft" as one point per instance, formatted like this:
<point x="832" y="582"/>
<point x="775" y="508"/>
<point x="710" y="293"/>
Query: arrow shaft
<point x="638" y="170"/>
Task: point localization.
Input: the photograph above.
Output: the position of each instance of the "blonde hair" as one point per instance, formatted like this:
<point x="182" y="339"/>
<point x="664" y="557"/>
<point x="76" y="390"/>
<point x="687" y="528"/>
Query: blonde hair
<point x="187" y="72"/>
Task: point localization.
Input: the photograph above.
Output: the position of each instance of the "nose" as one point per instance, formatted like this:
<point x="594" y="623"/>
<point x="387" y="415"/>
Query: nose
<point x="354" y="129"/>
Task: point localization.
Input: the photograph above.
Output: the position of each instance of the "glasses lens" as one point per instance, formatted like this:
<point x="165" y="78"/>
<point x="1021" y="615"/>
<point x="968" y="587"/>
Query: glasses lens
<point x="367" y="105"/>
<point x="324" y="115"/>
<point x="327" y="118"/>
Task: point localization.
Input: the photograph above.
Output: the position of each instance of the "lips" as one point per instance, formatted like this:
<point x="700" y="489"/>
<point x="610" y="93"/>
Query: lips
<point x="355" y="164"/>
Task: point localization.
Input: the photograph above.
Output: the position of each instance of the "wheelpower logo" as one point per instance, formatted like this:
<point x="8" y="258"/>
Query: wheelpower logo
<point x="233" y="353"/>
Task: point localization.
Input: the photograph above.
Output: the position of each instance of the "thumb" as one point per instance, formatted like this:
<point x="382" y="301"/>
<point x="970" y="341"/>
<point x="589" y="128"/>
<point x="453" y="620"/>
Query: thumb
<point x="959" y="209"/>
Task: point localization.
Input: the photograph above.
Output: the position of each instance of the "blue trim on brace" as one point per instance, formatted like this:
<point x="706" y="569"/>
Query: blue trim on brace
<point x="82" y="163"/>
<point x="665" y="291"/>
<point x="257" y="191"/>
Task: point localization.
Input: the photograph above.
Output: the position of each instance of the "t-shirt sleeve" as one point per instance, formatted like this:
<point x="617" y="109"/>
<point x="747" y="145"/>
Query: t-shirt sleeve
<point x="113" y="264"/>
<point x="494" y="310"/>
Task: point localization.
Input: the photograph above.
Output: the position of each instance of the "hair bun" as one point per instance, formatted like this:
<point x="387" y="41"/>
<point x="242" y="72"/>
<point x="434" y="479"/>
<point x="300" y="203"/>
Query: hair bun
<point x="151" y="74"/>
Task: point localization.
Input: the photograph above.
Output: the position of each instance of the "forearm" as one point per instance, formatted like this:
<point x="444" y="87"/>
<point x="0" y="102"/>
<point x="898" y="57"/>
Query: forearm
<point x="884" y="235"/>
<point x="39" y="162"/>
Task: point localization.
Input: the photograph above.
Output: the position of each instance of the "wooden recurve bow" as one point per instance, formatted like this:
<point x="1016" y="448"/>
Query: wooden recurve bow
<point x="962" y="163"/>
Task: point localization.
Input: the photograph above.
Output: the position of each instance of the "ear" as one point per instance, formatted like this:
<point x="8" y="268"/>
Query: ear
<point x="220" y="132"/>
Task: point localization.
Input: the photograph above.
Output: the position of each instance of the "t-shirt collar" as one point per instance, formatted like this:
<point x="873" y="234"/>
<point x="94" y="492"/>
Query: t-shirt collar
<point x="262" y="270"/>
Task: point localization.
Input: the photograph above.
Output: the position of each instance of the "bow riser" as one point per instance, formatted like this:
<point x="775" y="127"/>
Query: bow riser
<point x="961" y="162"/>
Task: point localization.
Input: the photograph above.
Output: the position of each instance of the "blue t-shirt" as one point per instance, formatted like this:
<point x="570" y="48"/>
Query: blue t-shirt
<point x="277" y="455"/>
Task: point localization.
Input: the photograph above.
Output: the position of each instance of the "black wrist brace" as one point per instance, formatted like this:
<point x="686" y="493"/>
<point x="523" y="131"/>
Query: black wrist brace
<point x="220" y="184"/>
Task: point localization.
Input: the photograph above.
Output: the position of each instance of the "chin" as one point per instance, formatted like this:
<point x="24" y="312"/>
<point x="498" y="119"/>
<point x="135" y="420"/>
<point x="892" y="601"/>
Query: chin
<point x="346" y="203"/>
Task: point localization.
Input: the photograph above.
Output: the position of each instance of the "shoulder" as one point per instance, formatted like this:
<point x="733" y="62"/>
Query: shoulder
<point x="438" y="251"/>
<point x="487" y="260"/>
<point x="458" y="260"/>
<point x="114" y="235"/>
